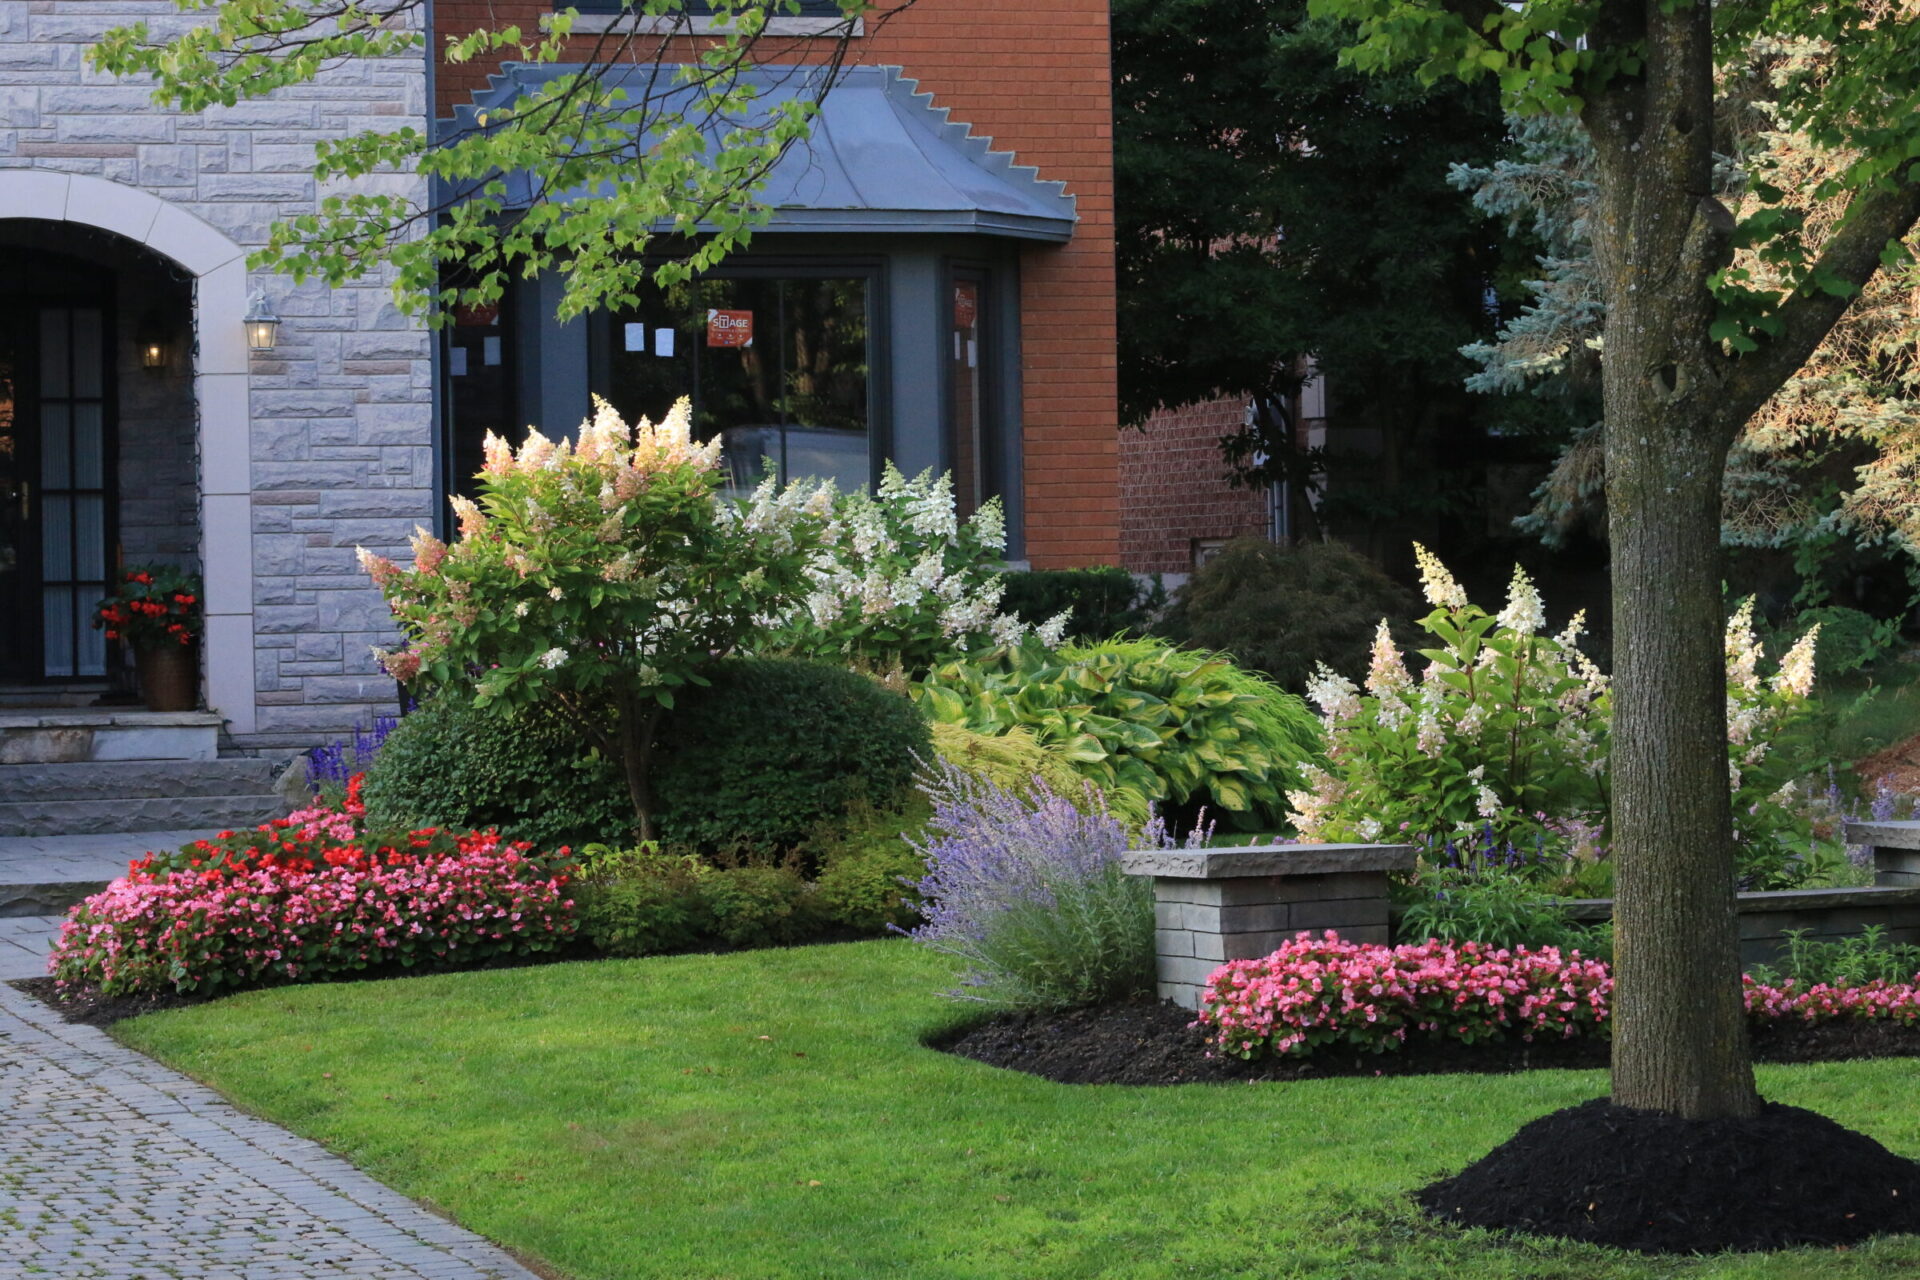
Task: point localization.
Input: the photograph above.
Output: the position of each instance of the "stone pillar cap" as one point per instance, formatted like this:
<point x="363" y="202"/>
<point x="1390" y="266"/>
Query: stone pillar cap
<point x="1268" y="860"/>
<point x="1894" y="835"/>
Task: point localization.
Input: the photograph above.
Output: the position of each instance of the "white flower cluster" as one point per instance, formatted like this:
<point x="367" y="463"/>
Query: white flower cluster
<point x="901" y="557"/>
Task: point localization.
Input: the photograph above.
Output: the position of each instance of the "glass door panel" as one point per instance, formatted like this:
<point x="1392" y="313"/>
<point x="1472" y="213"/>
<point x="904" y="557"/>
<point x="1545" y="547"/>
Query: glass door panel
<point x="71" y="410"/>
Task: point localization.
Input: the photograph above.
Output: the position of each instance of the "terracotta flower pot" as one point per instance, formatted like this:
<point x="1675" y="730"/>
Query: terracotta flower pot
<point x="169" y="677"/>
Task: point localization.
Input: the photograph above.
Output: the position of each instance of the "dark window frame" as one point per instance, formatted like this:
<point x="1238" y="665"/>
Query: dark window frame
<point x="872" y="269"/>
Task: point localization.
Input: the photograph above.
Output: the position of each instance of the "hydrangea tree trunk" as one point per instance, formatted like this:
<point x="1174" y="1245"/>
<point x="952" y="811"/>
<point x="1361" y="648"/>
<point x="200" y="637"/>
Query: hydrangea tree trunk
<point x="1680" y="1037"/>
<point x="639" y="719"/>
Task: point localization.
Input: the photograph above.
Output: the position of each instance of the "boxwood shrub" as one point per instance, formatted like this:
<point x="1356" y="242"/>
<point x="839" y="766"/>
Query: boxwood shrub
<point x="757" y="760"/>
<point x="451" y="764"/>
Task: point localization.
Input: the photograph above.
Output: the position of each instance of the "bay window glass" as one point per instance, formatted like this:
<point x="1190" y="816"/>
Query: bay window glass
<point x="777" y="367"/>
<point x="966" y="395"/>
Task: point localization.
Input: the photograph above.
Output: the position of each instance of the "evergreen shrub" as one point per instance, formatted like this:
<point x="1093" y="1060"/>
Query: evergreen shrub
<point x="451" y="764"/>
<point x="1099" y="602"/>
<point x="1284" y="610"/>
<point x="754" y="762"/>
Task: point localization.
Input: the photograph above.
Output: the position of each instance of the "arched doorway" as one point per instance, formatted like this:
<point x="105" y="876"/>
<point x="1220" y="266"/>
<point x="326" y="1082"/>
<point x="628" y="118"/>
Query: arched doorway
<point x="111" y="458"/>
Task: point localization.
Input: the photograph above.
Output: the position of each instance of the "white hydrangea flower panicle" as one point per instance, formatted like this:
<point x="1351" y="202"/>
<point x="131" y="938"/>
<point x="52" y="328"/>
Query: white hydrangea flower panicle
<point x="990" y="525"/>
<point x="1795" y="678"/>
<point x="1053" y="632"/>
<point x="1337" y="697"/>
<point x="1569" y="637"/>
<point x="1743" y="648"/>
<point x="1310" y="806"/>
<point x="1441" y="590"/>
<point x="1430" y="736"/>
<point x="1524" y="613"/>
<point x="1386" y="673"/>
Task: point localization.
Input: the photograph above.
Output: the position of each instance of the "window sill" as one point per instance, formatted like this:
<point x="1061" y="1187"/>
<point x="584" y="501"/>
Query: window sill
<point x="589" y="24"/>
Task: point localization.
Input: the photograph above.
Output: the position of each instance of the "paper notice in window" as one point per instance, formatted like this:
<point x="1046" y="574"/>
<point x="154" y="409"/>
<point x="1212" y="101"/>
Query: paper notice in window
<point x="457" y="361"/>
<point x="489" y="350"/>
<point x="729" y="328"/>
<point x="636" y="337"/>
<point x="663" y="342"/>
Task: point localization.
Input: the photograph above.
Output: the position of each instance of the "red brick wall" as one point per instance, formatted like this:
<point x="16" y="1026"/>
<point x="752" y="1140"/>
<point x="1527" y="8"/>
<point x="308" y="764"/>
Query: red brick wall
<point x="1034" y="76"/>
<point x="1173" y="487"/>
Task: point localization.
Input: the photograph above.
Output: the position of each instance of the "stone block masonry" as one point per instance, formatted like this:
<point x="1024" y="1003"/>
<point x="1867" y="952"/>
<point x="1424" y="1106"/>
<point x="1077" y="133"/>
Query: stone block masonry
<point x="340" y="413"/>
<point x="1215" y="905"/>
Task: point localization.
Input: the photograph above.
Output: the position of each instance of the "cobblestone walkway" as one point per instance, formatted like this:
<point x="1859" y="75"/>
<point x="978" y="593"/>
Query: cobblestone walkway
<point x="112" y="1167"/>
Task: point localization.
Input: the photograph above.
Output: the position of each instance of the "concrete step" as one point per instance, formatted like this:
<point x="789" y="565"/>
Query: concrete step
<point x="44" y="735"/>
<point x="44" y="875"/>
<point x="137" y="779"/>
<point x="150" y="813"/>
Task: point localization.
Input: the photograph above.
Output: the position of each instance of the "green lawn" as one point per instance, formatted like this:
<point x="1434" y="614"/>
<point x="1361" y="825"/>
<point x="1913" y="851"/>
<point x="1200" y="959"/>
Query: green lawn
<point x="772" y="1114"/>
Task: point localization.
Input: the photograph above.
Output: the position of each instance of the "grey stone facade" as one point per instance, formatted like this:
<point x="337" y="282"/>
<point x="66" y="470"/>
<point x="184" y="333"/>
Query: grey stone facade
<point x="338" y="446"/>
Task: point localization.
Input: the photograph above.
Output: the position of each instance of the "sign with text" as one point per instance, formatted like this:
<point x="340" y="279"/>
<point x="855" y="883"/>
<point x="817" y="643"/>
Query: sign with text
<point x="966" y="304"/>
<point x="729" y="328"/>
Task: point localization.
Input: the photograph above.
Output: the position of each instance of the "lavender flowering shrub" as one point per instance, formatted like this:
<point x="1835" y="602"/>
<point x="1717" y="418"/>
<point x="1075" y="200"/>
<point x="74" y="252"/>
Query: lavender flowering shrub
<point x="1026" y="890"/>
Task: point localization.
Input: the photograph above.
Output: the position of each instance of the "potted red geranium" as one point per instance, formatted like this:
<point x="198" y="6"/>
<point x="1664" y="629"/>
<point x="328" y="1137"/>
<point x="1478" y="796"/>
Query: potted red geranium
<point x="156" y="611"/>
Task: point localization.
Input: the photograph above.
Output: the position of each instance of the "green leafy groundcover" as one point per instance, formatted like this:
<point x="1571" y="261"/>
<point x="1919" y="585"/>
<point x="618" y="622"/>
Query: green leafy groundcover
<point x="773" y="1114"/>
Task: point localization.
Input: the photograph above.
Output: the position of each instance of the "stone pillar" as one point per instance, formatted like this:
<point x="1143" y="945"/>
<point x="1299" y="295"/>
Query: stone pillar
<point x="1896" y="851"/>
<point x="1215" y="905"/>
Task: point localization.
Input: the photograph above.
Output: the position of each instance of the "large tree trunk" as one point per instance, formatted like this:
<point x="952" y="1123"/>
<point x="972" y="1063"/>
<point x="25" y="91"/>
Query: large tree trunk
<point x="1680" y="1038"/>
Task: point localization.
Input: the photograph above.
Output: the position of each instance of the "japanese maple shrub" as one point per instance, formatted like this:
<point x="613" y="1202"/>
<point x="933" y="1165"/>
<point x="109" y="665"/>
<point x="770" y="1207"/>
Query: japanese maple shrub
<point x="600" y="577"/>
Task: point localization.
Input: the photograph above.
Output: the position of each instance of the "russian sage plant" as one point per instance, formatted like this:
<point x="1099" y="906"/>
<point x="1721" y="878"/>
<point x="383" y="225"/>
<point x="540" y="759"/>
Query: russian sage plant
<point x="1026" y="890"/>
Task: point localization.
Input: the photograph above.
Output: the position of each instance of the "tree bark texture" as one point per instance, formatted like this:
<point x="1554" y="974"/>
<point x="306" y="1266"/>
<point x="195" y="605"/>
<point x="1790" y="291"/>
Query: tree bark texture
<point x="637" y="725"/>
<point x="1679" y="1026"/>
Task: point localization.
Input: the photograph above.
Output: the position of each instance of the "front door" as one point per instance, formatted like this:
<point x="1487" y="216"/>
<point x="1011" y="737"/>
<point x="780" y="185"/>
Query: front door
<point x="55" y="482"/>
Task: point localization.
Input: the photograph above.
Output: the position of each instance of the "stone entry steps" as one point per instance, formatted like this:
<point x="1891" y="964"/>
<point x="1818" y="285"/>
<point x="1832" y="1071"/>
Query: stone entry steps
<point x="108" y="797"/>
<point x="44" y="875"/>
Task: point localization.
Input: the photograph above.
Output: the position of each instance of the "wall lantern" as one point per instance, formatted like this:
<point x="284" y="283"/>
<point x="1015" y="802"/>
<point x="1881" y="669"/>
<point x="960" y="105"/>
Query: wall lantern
<point x="151" y="337"/>
<point x="262" y="324"/>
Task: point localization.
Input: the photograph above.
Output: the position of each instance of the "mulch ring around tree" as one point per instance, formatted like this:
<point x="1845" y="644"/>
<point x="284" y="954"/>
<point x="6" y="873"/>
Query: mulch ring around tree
<point x="1147" y="1043"/>
<point x="1655" y="1183"/>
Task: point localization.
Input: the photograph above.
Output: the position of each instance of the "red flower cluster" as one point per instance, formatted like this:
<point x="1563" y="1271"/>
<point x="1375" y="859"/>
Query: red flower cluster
<point x="152" y="608"/>
<point x="309" y="897"/>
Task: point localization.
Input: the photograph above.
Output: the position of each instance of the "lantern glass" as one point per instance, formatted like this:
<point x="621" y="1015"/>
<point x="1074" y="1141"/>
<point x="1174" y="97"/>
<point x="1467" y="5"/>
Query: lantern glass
<point x="151" y="338"/>
<point x="262" y="325"/>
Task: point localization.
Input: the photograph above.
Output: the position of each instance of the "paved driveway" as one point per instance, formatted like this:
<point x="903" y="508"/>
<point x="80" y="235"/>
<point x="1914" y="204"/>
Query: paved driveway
<point x="113" y="1166"/>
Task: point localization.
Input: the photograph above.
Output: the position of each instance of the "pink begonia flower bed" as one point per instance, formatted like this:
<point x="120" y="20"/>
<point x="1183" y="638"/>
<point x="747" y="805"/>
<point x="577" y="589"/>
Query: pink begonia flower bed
<point x="1317" y="991"/>
<point x="310" y="897"/>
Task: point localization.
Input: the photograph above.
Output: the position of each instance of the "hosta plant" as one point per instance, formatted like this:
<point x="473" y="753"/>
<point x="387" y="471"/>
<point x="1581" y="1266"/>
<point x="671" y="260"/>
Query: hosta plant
<point x="1142" y="716"/>
<point x="599" y="578"/>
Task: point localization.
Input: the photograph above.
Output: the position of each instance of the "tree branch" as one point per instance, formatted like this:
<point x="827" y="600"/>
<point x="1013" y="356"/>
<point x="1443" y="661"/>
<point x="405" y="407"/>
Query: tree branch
<point x="1851" y="256"/>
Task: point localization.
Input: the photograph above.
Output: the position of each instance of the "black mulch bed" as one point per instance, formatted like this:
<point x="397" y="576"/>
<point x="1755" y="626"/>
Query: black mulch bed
<point x="1144" y="1043"/>
<point x="90" y="1008"/>
<point x="1659" y="1184"/>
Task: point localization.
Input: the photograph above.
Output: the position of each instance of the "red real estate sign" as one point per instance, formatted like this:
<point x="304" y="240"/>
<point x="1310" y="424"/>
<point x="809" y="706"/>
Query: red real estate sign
<point x="729" y="328"/>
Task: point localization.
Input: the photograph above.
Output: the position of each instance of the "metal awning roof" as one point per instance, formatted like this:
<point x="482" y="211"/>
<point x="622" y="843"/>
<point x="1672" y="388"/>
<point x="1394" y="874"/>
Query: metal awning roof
<point x="881" y="157"/>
